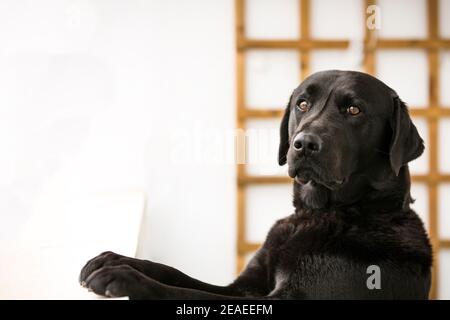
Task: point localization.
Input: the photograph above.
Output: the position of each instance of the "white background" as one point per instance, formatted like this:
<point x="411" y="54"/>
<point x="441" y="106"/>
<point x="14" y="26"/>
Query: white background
<point x="102" y="96"/>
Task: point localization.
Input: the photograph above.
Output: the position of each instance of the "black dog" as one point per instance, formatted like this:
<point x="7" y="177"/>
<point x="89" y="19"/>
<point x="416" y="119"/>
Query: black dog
<point x="347" y="139"/>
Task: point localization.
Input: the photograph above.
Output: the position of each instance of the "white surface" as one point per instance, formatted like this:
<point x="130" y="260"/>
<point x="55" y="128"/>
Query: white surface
<point x="262" y="148"/>
<point x="409" y="78"/>
<point x="445" y="77"/>
<point x="403" y="19"/>
<point x="420" y="165"/>
<point x="419" y="192"/>
<point x="334" y="59"/>
<point x="265" y="205"/>
<point x="331" y="19"/>
<point x="444" y="275"/>
<point x="92" y="97"/>
<point x="271" y="76"/>
<point x="444" y="18"/>
<point x="272" y="19"/>
<point x="44" y="274"/>
<point x="61" y="236"/>
<point x="444" y="211"/>
<point x="443" y="143"/>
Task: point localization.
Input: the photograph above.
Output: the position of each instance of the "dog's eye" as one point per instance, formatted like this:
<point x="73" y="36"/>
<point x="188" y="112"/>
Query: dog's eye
<point x="303" y="106"/>
<point x="352" y="110"/>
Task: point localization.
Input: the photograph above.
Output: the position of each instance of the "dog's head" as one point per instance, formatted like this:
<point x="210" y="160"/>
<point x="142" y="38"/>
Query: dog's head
<point x="340" y="126"/>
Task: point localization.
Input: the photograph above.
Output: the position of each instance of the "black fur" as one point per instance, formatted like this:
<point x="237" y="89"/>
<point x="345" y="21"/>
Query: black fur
<point x="352" y="197"/>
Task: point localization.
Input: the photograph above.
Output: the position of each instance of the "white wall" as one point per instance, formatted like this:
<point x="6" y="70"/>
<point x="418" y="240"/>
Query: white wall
<point x="95" y="97"/>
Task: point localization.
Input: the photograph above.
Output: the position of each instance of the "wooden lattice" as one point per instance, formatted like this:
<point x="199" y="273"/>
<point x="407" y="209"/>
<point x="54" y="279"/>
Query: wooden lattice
<point x="432" y="113"/>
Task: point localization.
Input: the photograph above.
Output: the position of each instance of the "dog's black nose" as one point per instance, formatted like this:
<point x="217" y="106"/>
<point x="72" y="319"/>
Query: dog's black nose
<point x="307" y="143"/>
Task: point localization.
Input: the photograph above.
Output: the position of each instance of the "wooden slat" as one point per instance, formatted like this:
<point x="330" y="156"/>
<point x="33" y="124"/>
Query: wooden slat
<point x="277" y="113"/>
<point x="433" y="233"/>
<point x="433" y="16"/>
<point x="430" y="112"/>
<point x="433" y="83"/>
<point x="343" y="44"/>
<point x="294" y="44"/>
<point x="264" y="180"/>
<point x="370" y="42"/>
<point x="241" y="226"/>
<point x="412" y="44"/>
<point x="251" y="247"/>
<point x="431" y="178"/>
<point x="240" y="125"/>
<point x="433" y="67"/>
<point x="428" y="179"/>
<point x="247" y="247"/>
<point x="304" y="19"/>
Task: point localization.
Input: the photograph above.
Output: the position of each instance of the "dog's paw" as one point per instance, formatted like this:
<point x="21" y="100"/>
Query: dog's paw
<point x="121" y="281"/>
<point x="104" y="259"/>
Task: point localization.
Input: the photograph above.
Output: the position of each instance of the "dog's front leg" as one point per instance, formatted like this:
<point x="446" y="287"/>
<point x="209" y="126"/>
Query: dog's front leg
<point x="145" y="279"/>
<point x="163" y="274"/>
<point x="124" y="281"/>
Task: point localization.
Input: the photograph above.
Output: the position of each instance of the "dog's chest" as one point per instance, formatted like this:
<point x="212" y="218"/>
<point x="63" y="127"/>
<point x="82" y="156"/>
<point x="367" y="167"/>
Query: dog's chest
<point x="302" y="235"/>
<point x="321" y="277"/>
<point x="325" y="254"/>
<point x="304" y="243"/>
<point x="312" y="258"/>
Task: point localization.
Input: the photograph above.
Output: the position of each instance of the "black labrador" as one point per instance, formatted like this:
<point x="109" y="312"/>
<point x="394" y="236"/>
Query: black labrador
<point x="347" y="139"/>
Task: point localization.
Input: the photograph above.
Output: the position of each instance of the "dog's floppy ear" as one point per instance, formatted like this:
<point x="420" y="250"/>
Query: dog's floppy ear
<point x="406" y="143"/>
<point x="284" y="135"/>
